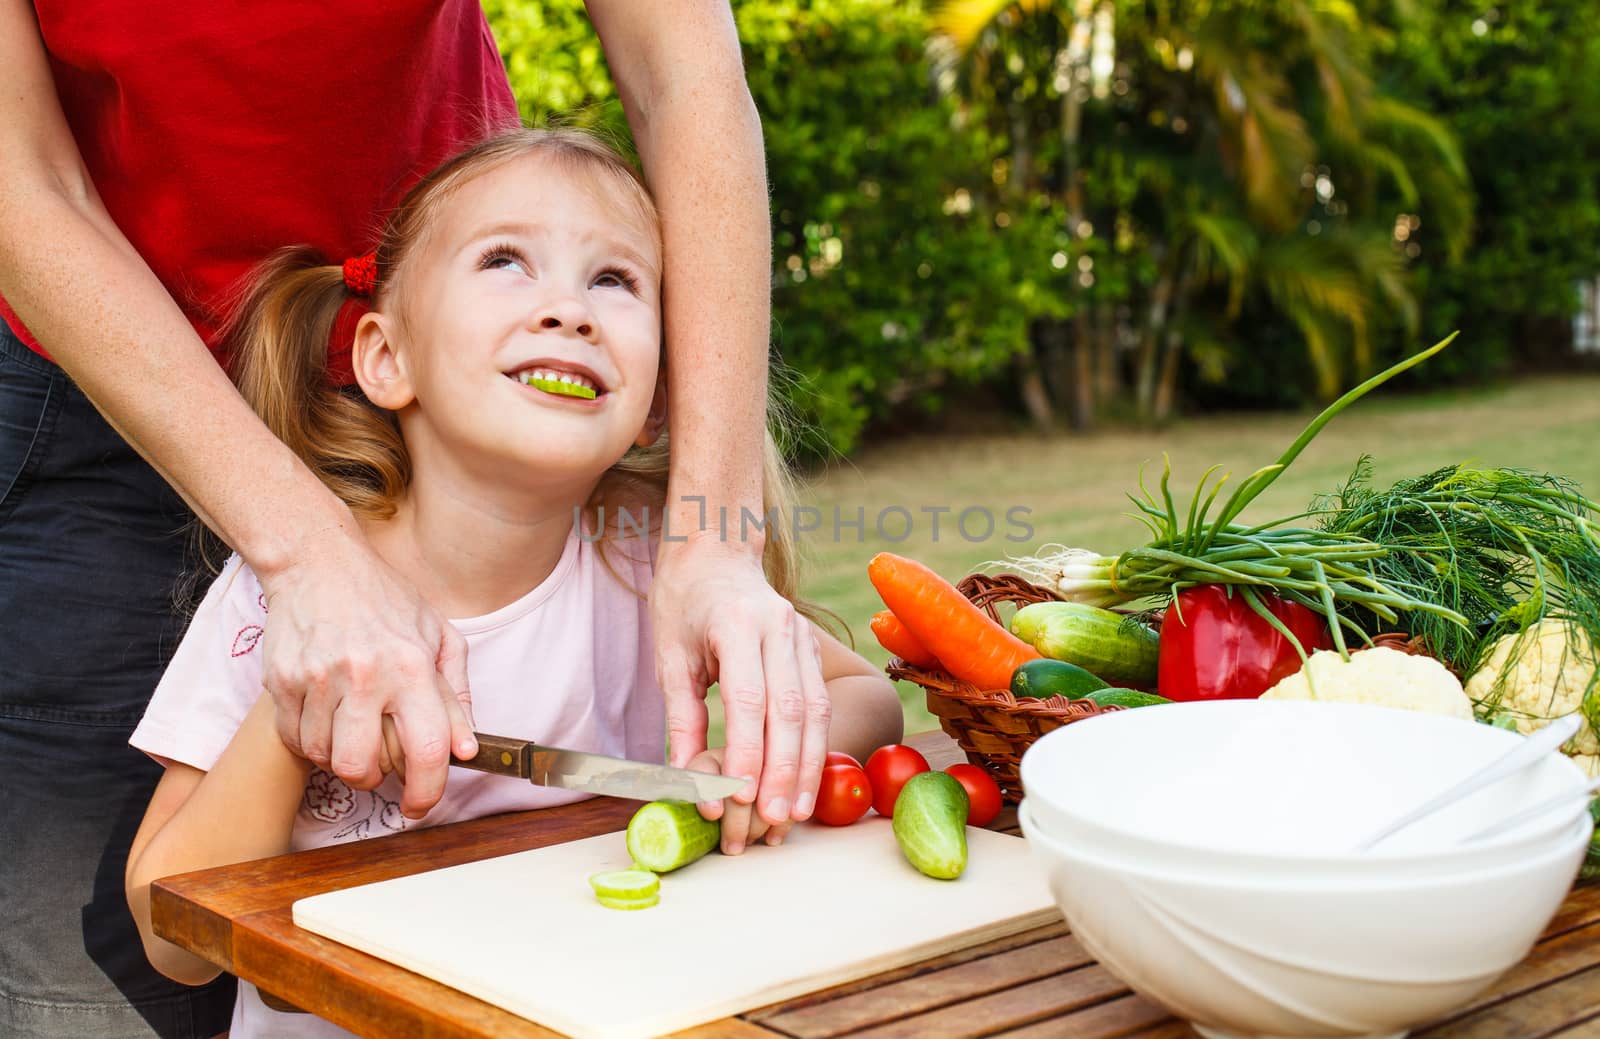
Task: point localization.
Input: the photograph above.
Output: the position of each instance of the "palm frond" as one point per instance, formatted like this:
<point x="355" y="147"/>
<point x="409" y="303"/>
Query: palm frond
<point x="1227" y="246"/>
<point x="1441" y="184"/>
<point x="1380" y="266"/>
<point x="1394" y="120"/>
<point x="963" y="21"/>
<point x="1346" y="89"/>
<point x="1313" y="282"/>
<point x="1272" y="142"/>
<point x="1370" y="153"/>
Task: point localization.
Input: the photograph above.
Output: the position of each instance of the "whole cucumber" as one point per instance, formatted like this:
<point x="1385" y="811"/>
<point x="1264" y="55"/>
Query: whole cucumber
<point x="1125" y="698"/>
<point x="1099" y="641"/>
<point x="930" y="824"/>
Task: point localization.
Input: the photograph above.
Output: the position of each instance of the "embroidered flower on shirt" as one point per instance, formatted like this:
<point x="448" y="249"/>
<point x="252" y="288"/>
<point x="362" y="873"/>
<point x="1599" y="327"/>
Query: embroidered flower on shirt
<point x="381" y="812"/>
<point x="357" y="829"/>
<point x="389" y="814"/>
<point x="246" y="639"/>
<point x="327" y="798"/>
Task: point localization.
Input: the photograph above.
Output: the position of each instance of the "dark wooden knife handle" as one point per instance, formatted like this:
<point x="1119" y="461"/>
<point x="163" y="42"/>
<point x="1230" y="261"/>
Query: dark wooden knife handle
<point x="498" y="754"/>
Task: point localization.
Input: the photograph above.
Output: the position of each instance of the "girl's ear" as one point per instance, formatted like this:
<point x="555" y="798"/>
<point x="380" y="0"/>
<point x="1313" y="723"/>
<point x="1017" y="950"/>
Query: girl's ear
<point x="655" y="423"/>
<point x="379" y="368"/>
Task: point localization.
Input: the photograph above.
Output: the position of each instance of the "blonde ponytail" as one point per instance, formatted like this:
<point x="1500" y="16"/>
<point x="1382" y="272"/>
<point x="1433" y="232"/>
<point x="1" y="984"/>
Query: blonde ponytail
<point x="278" y="340"/>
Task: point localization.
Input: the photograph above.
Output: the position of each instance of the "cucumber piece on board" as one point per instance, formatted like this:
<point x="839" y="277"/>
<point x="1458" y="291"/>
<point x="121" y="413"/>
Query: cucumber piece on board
<point x="626" y="888"/>
<point x="668" y="835"/>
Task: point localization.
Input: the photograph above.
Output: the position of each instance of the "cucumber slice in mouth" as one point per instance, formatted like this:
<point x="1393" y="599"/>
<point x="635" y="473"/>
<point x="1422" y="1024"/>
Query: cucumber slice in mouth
<point x="565" y="389"/>
<point x="626" y="888"/>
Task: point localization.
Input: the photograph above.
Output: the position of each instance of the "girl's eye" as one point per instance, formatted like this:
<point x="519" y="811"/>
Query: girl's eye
<point x="503" y="257"/>
<point x="617" y="278"/>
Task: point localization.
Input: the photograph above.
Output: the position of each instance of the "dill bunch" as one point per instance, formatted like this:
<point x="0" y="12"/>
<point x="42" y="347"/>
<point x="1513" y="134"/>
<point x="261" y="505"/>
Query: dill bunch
<point x="1502" y="548"/>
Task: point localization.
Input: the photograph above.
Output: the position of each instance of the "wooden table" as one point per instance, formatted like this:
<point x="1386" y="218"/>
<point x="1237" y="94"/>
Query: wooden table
<point x="1040" y="984"/>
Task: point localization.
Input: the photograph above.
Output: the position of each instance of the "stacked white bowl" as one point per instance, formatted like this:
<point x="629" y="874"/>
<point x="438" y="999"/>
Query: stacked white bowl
<point x="1203" y="852"/>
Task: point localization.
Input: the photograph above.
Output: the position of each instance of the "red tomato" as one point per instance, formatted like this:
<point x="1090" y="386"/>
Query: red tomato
<point x="888" y="768"/>
<point x="983" y="793"/>
<point x="839" y="757"/>
<point x="844" y="796"/>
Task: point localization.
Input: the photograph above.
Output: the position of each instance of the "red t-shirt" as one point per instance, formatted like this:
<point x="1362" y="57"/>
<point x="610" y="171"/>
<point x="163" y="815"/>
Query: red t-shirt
<point x="217" y="131"/>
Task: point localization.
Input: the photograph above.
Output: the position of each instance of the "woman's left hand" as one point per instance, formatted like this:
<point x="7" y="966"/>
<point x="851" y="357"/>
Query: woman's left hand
<point x="717" y="619"/>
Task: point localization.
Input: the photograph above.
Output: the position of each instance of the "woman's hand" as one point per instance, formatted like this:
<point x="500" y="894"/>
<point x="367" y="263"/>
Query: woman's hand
<point x="717" y="619"/>
<point x="741" y="826"/>
<point x="349" y="643"/>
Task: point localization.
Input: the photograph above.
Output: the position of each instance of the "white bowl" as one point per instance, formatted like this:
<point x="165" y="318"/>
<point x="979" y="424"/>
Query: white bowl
<point x="1293" y="957"/>
<point x="1266" y="786"/>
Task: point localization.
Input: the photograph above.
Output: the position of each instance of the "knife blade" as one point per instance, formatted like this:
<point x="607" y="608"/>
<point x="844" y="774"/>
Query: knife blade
<point x="595" y="773"/>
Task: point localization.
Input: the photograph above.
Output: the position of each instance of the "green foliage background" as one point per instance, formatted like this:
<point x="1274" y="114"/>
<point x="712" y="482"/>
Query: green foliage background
<point x="1517" y="84"/>
<point x="930" y="251"/>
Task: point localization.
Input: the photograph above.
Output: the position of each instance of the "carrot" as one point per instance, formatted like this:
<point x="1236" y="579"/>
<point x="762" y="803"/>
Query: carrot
<point x="969" y="645"/>
<point x="893" y="636"/>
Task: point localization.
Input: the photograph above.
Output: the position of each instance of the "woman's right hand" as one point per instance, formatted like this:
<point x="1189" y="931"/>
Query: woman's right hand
<point x="348" y="642"/>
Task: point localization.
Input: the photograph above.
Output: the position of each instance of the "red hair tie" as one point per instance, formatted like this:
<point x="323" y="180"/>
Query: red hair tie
<point x="360" y="277"/>
<point x="361" y="274"/>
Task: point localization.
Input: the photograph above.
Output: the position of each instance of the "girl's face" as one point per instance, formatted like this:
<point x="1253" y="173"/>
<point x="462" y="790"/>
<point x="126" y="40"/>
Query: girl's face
<point x="533" y="270"/>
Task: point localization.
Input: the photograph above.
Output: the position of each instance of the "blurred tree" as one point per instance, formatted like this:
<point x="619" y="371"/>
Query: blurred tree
<point x="1208" y="139"/>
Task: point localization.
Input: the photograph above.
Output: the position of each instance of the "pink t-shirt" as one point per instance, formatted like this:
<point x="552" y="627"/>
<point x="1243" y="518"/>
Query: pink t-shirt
<point x="571" y="663"/>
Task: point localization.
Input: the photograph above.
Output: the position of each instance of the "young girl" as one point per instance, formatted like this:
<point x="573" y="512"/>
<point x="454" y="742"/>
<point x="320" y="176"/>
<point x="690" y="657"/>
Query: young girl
<point x="504" y="390"/>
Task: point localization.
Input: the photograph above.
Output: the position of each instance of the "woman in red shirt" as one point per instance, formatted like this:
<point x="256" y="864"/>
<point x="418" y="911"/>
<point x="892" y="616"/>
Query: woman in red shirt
<point x="152" y="154"/>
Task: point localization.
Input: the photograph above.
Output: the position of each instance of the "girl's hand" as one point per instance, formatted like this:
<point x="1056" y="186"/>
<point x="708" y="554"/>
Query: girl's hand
<point x="348" y="643"/>
<point x="741" y="826"/>
<point x="717" y="619"/>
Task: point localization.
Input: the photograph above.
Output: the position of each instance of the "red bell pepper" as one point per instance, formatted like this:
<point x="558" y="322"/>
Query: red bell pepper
<point x="1215" y="647"/>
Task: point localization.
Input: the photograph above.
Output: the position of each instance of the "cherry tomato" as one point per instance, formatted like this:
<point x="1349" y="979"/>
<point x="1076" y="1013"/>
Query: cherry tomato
<point x="839" y="757"/>
<point x="983" y="793"/>
<point x="844" y="796"/>
<point x="888" y="768"/>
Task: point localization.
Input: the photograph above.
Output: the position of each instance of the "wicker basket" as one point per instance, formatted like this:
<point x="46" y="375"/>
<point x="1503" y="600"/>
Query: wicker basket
<point x="993" y="727"/>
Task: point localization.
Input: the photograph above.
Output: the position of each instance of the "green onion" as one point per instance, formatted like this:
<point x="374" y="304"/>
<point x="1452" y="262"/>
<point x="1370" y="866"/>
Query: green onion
<point x="1316" y="566"/>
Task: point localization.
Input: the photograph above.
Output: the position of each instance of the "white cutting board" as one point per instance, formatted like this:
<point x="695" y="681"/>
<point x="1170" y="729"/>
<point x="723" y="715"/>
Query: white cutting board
<point x="732" y="933"/>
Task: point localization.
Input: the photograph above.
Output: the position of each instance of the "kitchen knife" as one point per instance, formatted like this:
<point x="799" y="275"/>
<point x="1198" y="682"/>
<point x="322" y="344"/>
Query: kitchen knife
<point x="596" y="773"/>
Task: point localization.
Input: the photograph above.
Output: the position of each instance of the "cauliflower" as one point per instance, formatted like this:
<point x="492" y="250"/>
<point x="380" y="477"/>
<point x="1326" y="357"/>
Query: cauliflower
<point x="1539" y="675"/>
<point x="1381" y="676"/>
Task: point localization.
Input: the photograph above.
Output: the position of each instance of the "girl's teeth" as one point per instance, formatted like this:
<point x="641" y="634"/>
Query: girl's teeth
<point x="529" y="376"/>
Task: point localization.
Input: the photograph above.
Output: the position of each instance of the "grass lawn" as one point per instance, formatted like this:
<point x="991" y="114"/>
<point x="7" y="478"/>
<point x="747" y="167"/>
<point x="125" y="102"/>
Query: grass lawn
<point x="1074" y="488"/>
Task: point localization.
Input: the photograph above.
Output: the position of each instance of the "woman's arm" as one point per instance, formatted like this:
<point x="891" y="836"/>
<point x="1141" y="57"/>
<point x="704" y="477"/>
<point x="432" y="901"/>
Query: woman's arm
<point x="242" y="809"/>
<point x="340" y="619"/>
<point x="679" y="72"/>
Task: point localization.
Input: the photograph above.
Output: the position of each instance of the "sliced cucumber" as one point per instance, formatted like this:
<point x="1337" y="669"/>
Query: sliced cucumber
<point x="626" y="888"/>
<point x="668" y="835"/>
